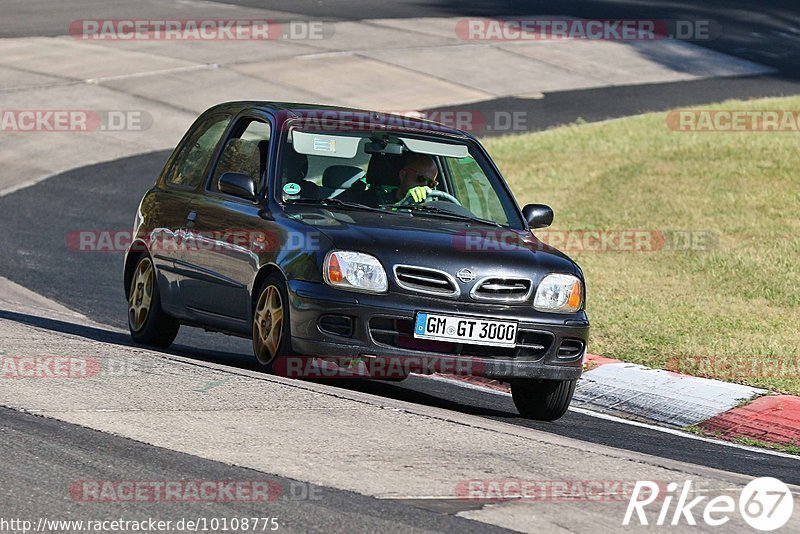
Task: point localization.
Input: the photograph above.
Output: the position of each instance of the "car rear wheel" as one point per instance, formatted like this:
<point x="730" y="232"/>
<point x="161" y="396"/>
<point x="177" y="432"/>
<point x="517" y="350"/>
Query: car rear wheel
<point x="271" y="338"/>
<point x="147" y="321"/>
<point x="542" y="400"/>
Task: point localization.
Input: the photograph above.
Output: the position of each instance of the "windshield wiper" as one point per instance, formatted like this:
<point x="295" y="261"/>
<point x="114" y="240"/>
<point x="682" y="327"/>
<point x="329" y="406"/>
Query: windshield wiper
<point x="335" y="202"/>
<point x="393" y="208"/>
<point x="447" y="213"/>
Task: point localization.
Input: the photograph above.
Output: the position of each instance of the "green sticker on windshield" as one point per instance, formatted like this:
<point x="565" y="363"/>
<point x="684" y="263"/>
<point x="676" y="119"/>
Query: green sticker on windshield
<point x="291" y="188"/>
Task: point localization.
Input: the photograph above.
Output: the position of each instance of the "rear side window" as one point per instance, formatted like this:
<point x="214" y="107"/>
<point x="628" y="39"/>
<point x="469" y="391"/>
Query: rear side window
<point x="188" y="169"/>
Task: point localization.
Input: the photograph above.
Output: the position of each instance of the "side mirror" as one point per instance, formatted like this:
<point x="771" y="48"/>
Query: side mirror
<point x="538" y="215"/>
<point x="238" y="184"/>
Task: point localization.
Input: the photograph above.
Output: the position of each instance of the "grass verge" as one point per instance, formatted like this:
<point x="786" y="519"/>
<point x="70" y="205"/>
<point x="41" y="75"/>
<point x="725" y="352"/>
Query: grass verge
<point x="718" y="294"/>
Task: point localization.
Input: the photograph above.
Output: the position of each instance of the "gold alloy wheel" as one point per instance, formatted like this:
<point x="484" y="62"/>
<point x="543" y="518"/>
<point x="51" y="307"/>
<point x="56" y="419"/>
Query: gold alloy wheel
<point x="141" y="294"/>
<point x="268" y="325"/>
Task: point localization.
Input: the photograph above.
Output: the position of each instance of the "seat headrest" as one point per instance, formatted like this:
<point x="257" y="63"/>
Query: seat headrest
<point x="336" y="176"/>
<point x="383" y="169"/>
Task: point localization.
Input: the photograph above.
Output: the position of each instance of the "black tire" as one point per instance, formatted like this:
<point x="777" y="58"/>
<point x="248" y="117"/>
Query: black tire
<point x="152" y="327"/>
<point x="542" y="400"/>
<point x="285" y="346"/>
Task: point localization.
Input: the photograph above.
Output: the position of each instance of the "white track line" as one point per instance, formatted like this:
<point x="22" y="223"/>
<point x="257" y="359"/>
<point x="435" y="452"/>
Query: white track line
<point x="187" y="68"/>
<point x="673" y="431"/>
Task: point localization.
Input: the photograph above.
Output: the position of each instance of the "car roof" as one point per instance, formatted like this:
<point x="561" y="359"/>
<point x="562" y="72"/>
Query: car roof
<point x="291" y="110"/>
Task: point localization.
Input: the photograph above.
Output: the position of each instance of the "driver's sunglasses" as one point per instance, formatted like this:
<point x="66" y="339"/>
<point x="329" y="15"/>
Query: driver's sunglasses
<point x="424" y="180"/>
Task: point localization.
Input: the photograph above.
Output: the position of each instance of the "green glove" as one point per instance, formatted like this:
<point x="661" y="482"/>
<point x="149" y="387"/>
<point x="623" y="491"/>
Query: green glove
<point x="419" y="193"/>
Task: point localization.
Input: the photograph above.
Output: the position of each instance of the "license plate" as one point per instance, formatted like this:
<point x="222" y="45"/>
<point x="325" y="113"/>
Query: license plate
<point x="465" y="330"/>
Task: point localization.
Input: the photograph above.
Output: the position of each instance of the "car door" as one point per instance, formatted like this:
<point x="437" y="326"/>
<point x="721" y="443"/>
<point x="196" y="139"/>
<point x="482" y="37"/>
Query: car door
<point x="228" y="233"/>
<point x="184" y="175"/>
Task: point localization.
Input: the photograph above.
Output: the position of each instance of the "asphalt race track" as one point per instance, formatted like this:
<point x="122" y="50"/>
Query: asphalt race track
<point x="104" y="197"/>
<point x="762" y="31"/>
<point x="758" y="31"/>
<point x="590" y="105"/>
<point x="62" y="451"/>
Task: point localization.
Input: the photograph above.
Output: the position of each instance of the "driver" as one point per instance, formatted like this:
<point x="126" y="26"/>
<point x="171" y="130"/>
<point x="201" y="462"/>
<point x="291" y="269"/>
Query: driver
<point x="417" y="177"/>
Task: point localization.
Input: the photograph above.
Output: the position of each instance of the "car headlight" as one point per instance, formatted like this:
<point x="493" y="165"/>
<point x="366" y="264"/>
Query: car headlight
<point x="356" y="271"/>
<point x="559" y="293"/>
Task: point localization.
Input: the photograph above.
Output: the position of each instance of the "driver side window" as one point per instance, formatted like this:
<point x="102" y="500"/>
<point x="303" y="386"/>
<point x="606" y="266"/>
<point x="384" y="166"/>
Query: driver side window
<point x="245" y="153"/>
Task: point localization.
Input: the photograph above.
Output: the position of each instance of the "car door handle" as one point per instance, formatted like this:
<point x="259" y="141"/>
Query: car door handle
<point x="191" y="219"/>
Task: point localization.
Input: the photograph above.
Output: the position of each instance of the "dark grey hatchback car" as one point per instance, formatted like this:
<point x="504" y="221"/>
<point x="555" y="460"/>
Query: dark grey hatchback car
<point x="348" y="243"/>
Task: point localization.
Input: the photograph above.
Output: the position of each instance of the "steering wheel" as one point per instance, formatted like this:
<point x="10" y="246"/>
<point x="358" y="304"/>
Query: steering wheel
<point x="435" y="194"/>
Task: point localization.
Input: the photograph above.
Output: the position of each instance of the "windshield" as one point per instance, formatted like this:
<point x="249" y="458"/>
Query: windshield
<point x="393" y="173"/>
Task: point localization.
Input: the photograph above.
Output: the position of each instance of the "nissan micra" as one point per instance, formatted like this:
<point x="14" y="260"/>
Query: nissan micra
<point x="355" y="243"/>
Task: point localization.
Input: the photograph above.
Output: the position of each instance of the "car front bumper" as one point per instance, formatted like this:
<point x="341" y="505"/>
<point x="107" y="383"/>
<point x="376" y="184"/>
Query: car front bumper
<point x="550" y="346"/>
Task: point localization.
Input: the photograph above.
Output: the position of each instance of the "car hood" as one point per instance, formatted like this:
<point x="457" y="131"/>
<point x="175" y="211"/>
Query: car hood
<point x="439" y="243"/>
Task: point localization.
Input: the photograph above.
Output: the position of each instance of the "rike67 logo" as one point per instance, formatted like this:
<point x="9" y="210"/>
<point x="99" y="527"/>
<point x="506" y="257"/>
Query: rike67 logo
<point x="765" y="504"/>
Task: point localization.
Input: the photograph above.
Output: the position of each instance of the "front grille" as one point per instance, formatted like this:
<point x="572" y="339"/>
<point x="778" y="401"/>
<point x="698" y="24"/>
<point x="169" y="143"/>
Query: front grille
<point x="502" y="289"/>
<point x="399" y="333"/>
<point x="425" y="280"/>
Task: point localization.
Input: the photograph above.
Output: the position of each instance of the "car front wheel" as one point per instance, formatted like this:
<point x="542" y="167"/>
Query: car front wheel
<point x="147" y="321"/>
<point x="542" y="400"/>
<point x="271" y="338"/>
